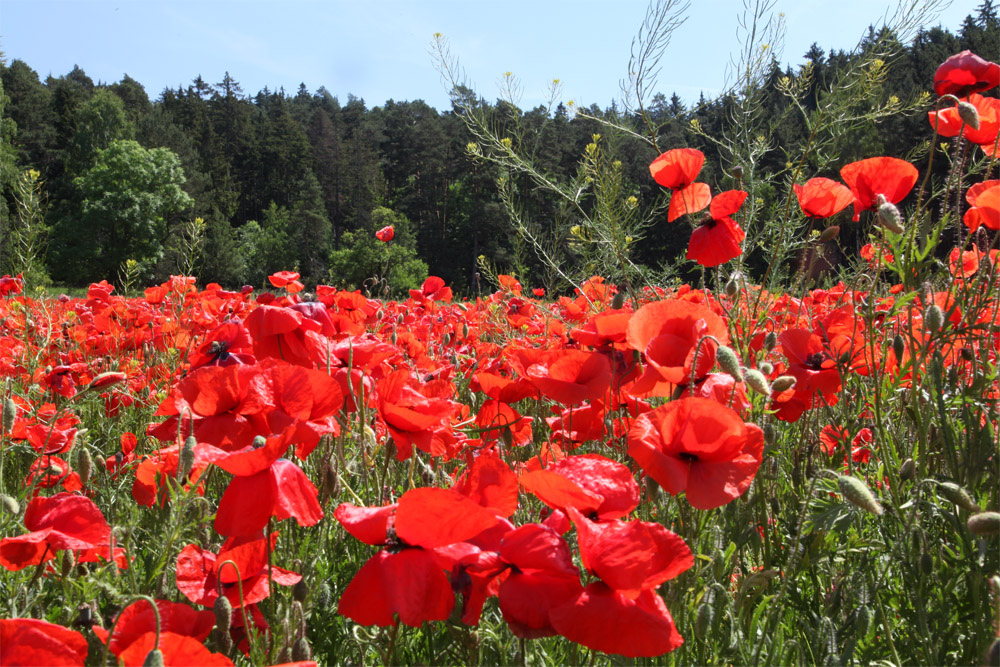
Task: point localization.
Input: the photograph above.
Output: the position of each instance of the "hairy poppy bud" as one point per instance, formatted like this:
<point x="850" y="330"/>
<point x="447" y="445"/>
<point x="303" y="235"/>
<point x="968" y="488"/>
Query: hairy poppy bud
<point x="185" y="460"/>
<point x="958" y="495"/>
<point x="9" y="504"/>
<point x="783" y="383"/>
<point x="732" y="286"/>
<point x="859" y="494"/>
<point x="738" y="172"/>
<point x="618" y="301"/>
<point x="907" y="470"/>
<point x="68" y="561"/>
<point x="153" y="659"/>
<point x="465" y="330"/>
<point x="300" y="590"/>
<point x="926" y="563"/>
<point x="864" y="620"/>
<point x="770" y="434"/>
<point x="933" y="318"/>
<point x="223" y="610"/>
<point x="301" y="651"/>
<point x="770" y="340"/>
<point x="765" y="367"/>
<point x="969" y="114"/>
<point x="756" y="381"/>
<point x="446" y="339"/>
<point x="9" y="414"/>
<point x="729" y="362"/>
<point x="829" y="233"/>
<point x="706" y="613"/>
<point x="984" y="523"/>
<point x="84" y="465"/>
<point x="889" y="216"/>
<point x="898" y="347"/>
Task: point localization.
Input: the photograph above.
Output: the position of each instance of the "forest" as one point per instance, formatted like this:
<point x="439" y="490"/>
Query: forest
<point x="101" y="181"/>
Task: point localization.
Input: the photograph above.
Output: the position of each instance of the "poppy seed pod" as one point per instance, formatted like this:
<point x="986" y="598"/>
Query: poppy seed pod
<point x="829" y="233"/>
<point x="738" y="172"/>
<point x="958" y="495"/>
<point x="933" y="318"/>
<point x="756" y="381"/>
<point x="770" y="434"/>
<point x="984" y="523"/>
<point x="864" y="620"/>
<point x="969" y="114"/>
<point x="926" y="563"/>
<point x="858" y="493"/>
<point x="889" y="216"/>
<point x="729" y="362"/>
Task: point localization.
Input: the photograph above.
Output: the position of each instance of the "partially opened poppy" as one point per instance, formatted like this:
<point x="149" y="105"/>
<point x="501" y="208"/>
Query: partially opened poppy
<point x="717" y="238"/>
<point x="29" y="642"/>
<point x="700" y="447"/>
<point x="676" y="169"/>
<point x="138" y="619"/>
<point x="984" y="199"/>
<point x="965" y="73"/>
<point x="949" y="122"/>
<point x="822" y="197"/>
<point x="887" y="176"/>
<point x="287" y="279"/>
<point x="385" y="234"/>
<point x="64" y="521"/>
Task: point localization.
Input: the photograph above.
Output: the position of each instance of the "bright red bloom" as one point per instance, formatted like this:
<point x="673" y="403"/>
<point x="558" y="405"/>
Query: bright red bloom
<point x="385" y="234"/>
<point x="965" y="73"/>
<point x="412" y="413"/>
<point x="566" y="376"/>
<point x="717" y="238"/>
<point x="64" y="521"/>
<point x="949" y="123"/>
<point x="984" y="198"/>
<point x="491" y="483"/>
<point x="822" y="197"/>
<point x="668" y="333"/>
<point x="691" y="199"/>
<point x="810" y="362"/>
<point x="29" y="642"/>
<point x="887" y="176"/>
<point x="496" y="420"/>
<point x="177" y="649"/>
<point x="290" y="335"/>
<point x="677" y="168"/>
<point x="228" y="344"/>
<point x="48" y="471"/>
<point x="287" y="279"/>
<point x="9" y="285"/>
<point x="700" y="447"/>
<point x="596" y="486"/>
<point x="964" y="264"/>
<point x="433" y="289"/>
<point x="137" y="619"/>
<point x="876" y="255"/>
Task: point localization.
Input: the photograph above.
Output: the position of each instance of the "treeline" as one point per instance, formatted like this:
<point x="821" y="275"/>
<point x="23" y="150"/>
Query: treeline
<point x="211" y="180"/>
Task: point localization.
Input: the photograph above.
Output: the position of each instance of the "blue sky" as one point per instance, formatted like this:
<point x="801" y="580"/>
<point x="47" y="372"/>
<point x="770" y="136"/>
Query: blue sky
<point x="379" y="49"/>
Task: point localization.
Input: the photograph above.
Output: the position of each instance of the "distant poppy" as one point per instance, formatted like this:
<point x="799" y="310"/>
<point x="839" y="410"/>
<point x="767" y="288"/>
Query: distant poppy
<point x="287" y="279"/>
<point x="433" y="289"/>
<point x="11" y="285"/>
<point x="984" y="199"/>
<point x="29" y="642"/>
<point x="822" y="197"/>
<point x="700" y="447"/>
<point x="385" y="234"/>
<point x="717" y="238"/>
<point x="876" y="255"/>
<point x="887" y="176"/>
<point x="676" y="169"/>
<point x="965" y="73"/>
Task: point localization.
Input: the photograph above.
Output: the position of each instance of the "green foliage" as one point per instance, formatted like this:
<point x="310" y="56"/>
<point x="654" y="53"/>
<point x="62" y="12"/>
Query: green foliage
<point x="380" y="269"/>
<point x="126" y="199"/>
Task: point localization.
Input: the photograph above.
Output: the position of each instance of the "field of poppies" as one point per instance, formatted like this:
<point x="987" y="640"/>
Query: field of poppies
<point x="673" y="475"/>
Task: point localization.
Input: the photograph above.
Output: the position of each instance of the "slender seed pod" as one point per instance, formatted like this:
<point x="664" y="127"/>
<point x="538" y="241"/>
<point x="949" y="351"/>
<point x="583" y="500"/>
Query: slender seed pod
<point x="185" y="460"/>
<point x="703" y="623"/>
<point x="301" y="651"/>
<point x="10" y="504"/>
<point x="223" y="609"/>
<point x="84" y="465"/>
<point x="898" y="347"/>
<point x="933" y="318"/>
<point x="9" y="414"/>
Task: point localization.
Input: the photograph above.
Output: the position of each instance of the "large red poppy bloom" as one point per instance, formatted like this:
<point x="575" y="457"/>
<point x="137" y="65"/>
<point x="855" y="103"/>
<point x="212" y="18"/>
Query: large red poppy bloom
<point x="596" y="486"/>
<point x="822" y="197"/>
<point x="965" y="73"/>
<point x="949" y="123"/>
<point x="412" y="413"/>
<point x="676" y="169"/>
<point x="717" y="238"/>
<point x="887" y="176"/>
<point x="29" y="642"/>
<point x="385" y="234"/>
<point x="138" y="619"/>
<point x="984" y="199"/>
<point x="64" y="521"/>
<point x="700" y="447"/>
<point x="667" y="333"/>
<point x="567" y="376"/>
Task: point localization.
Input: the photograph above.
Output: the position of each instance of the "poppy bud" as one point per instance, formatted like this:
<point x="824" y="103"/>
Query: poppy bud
<point x="153" y="659"/>
<point x="729" y="362"/>
<point x="829" y="233"/>
<point x="770" y="434"/>
<point x="185" y="460"/>
<point x="446" y="339"/>
<point x="68" y="561"/>
<point x="465" y="330"/>
<point x="223" y="610"/>
<point x="301" y="651"/>
<point x="285" y="655"/>
<point x="706" y="614"/>
<point x="783" y="383"/>
<point x="926" y="563"/>
<point x="368" y="436"/>
<point x="864" y="620"/>
<point x="898" y="347"/>
<point x="732" y="287"/>
<point x="889" y="216"/>
<point x="933" y="318"/>
<point x="618" y="301"/>
<point x="958" y="495"/>
<point x="859" y="494"/>
<point x="224" y="642"/>
<point x="9" y="413"/>
<point x="756" y="381"/>
<point x="102" y="463"/>
<point x="10" y="504"/>
<point x="738" y="172"/>
<point x="765" y="368"/>
<point x="770" y="340"/>
<point x="984" y="523"/>
<point x="969" y="114"/>
<point x="907" y="470"/>
<point x="84" y="465"/>
<point x="300" y="591"/>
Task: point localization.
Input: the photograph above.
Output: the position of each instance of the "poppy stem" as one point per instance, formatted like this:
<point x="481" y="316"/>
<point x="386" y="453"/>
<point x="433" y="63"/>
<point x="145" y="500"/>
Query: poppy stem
<point x="239" y="585"/>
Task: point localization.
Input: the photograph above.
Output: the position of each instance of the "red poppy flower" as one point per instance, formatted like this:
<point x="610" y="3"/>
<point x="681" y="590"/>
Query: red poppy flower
<point x="596" y="486"/>
<point x="876" y="255"/>
<point x="822" y="197"/>
<point x="604" y="331"/>
<point x="48" y="471"/>
<point x="228" y="344"/>
<point x="717" y="238"/>
<point x="489" y="482"/>
<point x="887" y="176"/>
<point x="150" y="484"/>
<point x="691" y="199"/>
<point x="607" y="620"/>
<point x="576" y="425"/>
<point x="965" y="73"/>
<point x="288" y="334"/>
<point x="496" y="420"/>
<point x="177" y="649"/>
<point x="697" y="446"/>
<point x="566" y="376"/>
<point x="287" y="279"/>
<point x="412" y="414"/>
<point x="385" y="234"/>
<point x="64" y="521"/>
<point x="281" y="490"/>
<point x="964" y="264"/>
<point x="28" y="642"/>
<point x="668" y="334"/>
<point x="949" y="123"/>
<point x="201" y="573"/>
<point x="433" y="289"/>
<point x="55" y="438"/>
<point x="677" y="168"/>
<point x="810" y="362"/>
<point x="505" y="390"/>
<point x="984" y="198"/>
<point x="9" y="285"/>
<point x="138" y="618"/>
